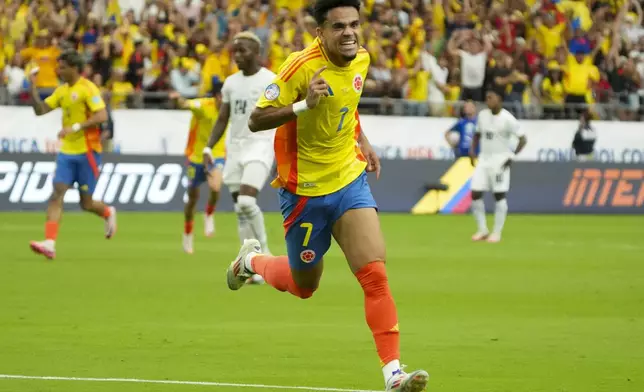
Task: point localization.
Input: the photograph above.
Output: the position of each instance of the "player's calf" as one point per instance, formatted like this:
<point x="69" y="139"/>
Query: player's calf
<point x="478" y="211"/>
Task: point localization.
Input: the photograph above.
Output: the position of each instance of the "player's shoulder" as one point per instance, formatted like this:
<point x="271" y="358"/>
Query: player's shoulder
<point x="88" y="84"/>
<point x="305" y="61"/>
<point x="234" y="78"/>
<point x="507" y="114"/>
<point x="362" y="60"/>
<point x="484" y="114"/>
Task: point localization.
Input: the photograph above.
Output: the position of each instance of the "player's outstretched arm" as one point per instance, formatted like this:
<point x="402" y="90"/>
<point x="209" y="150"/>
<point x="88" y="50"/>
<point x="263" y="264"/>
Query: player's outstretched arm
<point x="270" y="117"/>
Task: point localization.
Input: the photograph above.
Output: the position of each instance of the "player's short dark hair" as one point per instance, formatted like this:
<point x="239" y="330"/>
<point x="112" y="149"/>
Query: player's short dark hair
<point x="498" y="90"/>
<point x="73" y="59"/>
<point x="322" y="8"/>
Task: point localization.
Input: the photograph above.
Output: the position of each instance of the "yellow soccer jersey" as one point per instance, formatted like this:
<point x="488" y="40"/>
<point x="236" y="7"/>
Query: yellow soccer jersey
<point x="78" y="103"/>
<point x="204" y="115"/>
<point x="317" y="153"/>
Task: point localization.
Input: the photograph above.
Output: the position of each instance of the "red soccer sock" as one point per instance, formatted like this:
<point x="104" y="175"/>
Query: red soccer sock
<point x="51" y="230"/>
<point x="107" y="212"/>
<point x="380" y="310"/>
<point x="276" y="272"/>
<point x="188" y="227"/>
<point x="210" y="209"/>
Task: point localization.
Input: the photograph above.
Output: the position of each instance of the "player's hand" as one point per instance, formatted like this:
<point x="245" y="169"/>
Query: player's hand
<point x="65" y="131"/>
<point x="174" y="95"/>
<point x="473" y="160"/>
<point x="207" y="158"/>
<point x="318" y="88"/>
<point x="373" y="162"/>
<point x="33" y="75"/>
<point x="507" y="164"/>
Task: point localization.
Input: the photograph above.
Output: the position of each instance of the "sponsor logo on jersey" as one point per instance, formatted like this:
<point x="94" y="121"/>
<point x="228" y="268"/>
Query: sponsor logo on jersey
<point x="357" y="83"/>
<point x="272" y="92"/>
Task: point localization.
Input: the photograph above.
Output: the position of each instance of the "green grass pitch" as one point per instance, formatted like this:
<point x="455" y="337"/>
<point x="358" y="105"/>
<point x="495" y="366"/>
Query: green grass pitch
<point x="558" y="306"/>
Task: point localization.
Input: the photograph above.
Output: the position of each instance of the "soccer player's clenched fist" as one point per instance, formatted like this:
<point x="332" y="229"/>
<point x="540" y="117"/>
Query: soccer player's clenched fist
<point x="317" y="88"/>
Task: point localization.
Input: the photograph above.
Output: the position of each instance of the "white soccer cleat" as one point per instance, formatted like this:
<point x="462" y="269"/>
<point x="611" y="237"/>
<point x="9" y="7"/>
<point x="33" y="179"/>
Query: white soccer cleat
<point x="237" y="273"/>
<point x="110" y="224"/>
<point x="494" y="238"/>
<point x="408" y="382"/>
<point x="45" y="248"/>
<point x="209" y="225"/>
<point x="187" y="243"/>
<point x="480" y="236"/>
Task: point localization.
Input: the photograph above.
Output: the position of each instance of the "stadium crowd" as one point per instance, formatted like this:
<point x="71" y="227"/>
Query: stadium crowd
<point x="551" y="54"/>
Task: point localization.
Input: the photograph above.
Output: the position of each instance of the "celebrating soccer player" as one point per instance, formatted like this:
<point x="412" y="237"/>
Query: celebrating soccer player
<point x="79" y="157"/>
<point x="204" y="114"/>
<point x="249" y="155"/>
<point x="495" y="133"/>
<point x="322" y="155"/>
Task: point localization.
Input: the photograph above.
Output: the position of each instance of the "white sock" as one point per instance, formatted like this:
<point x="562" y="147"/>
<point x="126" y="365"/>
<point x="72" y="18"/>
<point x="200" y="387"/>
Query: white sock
<point x="389" y="369"/>
<point x="50" y="243"/>
<point x="256" y="222"/>
<point x="243" y="225"/>
<point x="500" y="213"/>
<point x="248" y="261"/>
<point x="478" y="210"/>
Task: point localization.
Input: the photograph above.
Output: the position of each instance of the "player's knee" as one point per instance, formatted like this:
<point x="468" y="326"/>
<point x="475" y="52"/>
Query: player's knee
<point x="499" y="196"/>
<point x="304" y="293"/>
<point x="86" y="203"/>
<point x="373" y="278"/>
<point x="247" y="204"/>
<point x="476" y="195"/>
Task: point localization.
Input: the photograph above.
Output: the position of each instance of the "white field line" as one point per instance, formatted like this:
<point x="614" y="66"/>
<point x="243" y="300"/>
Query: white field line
<point x="174" y="382"/>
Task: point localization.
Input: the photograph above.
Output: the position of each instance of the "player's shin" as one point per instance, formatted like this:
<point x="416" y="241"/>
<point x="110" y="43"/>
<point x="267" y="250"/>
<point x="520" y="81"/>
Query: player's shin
<point x="243" y="226"/>
<point x="478" y="211"/>
<point x="276" y="272"/>
<point x="255" y="217"/>
<point x="381" y="315"/>
<point x="500" y="213"/>
<point x="212" y="202"/>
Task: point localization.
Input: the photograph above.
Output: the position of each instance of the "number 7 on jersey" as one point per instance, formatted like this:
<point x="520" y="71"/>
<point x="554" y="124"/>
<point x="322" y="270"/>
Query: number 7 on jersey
<point x="344" y="112"/>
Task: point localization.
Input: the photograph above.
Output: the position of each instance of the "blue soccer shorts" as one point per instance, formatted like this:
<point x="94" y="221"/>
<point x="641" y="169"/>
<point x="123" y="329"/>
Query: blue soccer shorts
<point x="78" y="168"/>
<point x="197" y="174"/>
<point x="308" y="221"/>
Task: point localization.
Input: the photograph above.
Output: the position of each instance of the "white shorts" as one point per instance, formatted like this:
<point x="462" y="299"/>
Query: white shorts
<point x="250" y="165"/>
<point x="490" y="178"/>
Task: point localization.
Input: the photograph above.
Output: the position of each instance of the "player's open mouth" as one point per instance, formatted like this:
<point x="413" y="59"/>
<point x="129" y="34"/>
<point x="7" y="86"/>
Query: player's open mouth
<point x="348" y="44"/>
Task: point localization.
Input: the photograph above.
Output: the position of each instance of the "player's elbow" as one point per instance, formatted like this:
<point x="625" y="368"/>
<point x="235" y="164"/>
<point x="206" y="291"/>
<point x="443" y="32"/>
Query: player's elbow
<point x="101" y="116"/>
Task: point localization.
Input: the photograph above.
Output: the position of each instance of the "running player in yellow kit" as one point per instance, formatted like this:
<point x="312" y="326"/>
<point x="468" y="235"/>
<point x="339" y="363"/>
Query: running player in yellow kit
<point x="80" y="153"/>
<point x="204" y="115"/>
<point x="322" y="156"/>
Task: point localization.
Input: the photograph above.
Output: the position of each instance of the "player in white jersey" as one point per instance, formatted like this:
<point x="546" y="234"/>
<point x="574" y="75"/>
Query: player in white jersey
<point x="249" y="156"/>
<point x="496" y="133"/>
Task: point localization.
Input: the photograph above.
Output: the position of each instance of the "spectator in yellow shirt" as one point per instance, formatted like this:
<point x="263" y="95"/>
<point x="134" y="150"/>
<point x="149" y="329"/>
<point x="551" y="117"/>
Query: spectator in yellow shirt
<point x="579" y="76"/>
<point x="120" y="89"/>
<point x="549" y="34"/>
<point x="552" y="92"/>
<point x="44" y="56"/>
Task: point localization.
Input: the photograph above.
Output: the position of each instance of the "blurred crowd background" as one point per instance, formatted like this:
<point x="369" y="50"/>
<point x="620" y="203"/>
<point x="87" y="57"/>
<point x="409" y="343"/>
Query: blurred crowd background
<point x="554" y="58"/>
